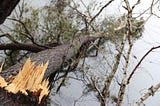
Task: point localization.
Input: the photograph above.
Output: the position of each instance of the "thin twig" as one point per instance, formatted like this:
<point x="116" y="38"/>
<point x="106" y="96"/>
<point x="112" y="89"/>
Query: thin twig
<point x="144" y="56"/>
<point x="138" y="2"/>
<point x="28" y="34"/>
<point x="108" y="3"/>
<point x="97" y="89"/>
<point x="147" y="9"/>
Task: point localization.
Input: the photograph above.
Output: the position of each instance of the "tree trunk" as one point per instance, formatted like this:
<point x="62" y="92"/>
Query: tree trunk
<point x="6" y="7"/>
<point x="56" y="57"/>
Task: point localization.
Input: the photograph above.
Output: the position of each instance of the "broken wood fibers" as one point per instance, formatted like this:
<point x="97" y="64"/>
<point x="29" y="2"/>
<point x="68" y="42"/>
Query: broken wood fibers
<point x="29" y="78"/>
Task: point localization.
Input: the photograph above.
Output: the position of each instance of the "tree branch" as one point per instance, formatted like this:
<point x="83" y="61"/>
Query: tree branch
<point x="109" y="2"/>
<point x="55" y="57"/>
<point x="28" y="33"/>
<point x="19" y="46"/>
<point x="150" y="92"/>
<point x="6" y="7"/>
<point x="146" y="54"/>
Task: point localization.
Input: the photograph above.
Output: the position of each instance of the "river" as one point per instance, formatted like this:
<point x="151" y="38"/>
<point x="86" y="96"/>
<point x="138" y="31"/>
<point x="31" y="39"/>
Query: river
<point x="148" y="73"/>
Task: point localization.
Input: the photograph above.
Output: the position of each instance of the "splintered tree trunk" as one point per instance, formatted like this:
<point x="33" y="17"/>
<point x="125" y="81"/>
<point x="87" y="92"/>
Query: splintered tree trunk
<point x="55" y="56"/>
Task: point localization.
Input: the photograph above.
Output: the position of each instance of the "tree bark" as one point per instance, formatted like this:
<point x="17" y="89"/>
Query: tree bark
<point x="56" y="57"/>
<point x="6" y="7"/>
<point x="18" y="46"/>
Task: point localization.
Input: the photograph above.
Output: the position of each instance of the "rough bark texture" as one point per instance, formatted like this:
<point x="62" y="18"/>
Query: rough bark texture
<point x="6" y="7"/>
<point x="18" y="46"/>
<point x="55" y="57"/>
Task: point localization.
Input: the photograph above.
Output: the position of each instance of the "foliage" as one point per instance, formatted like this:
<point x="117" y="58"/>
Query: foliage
<point x="51" y="23"/>
<point x="55" y="22"/>
<point x="61" y="22"/>
<point x="115" y="27"/>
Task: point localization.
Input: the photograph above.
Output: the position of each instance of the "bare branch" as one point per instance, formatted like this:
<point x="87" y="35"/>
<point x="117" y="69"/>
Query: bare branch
<point x="101" y="96"/>
<point x="124" y="82"/>
<point x="148" y="8"/>
<point x="108" y="3"/>
<point x="146" y="54"/>
<point x="138" y="2"/>
<point x="84" y="17"/>
<point x="28" y="34"/>
<point x="9" y="37"/>
<point x="152" y="7"/>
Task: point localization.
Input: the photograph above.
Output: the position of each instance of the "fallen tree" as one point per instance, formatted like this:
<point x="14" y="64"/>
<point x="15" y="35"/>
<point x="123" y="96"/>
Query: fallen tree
<point x="57" y="56"/>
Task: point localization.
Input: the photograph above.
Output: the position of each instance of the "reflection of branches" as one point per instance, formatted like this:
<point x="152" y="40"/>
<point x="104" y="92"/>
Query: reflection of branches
<point x="84" y="17"/>
<point x="70" y="66"/>
<point x="152" y="4"/>
<point x="101" y="96"/>
<point x="108" y="3"/>
<point x="144" y="56"/>
<point x="151" y="9"/>
<point x="138" y="2"/>
<point x="63" y="81"/>
<point x="89" y="13"/>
